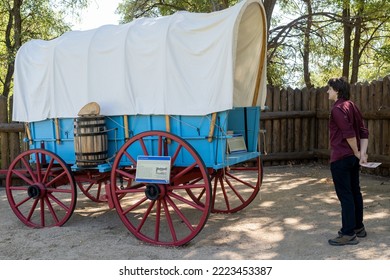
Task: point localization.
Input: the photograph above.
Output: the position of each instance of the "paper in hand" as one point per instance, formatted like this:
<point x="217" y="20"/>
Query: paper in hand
<point x="371" y="164"/>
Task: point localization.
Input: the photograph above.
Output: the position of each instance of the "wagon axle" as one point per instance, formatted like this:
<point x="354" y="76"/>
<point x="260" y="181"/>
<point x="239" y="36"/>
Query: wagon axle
<point x="36" y="191"/>
<point x="154" y="192"/>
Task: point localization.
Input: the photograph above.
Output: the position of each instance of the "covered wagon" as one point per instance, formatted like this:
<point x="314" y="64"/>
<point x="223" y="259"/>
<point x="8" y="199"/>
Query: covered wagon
<point x="178" y="108"/>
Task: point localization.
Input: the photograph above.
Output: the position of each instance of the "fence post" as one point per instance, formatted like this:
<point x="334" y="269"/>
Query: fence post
<point x="4" y="163"/>
<point x="14" y="137"/>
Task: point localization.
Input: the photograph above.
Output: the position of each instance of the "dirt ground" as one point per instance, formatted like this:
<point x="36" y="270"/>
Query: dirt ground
<point x="295" y="214"/>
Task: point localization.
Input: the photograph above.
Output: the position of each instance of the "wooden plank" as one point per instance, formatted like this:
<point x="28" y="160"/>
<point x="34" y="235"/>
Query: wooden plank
<point x="283" y="123"/>
<point x="4" y="154"/>
<point x="305" y="122"/>
<point x="290" y="121"/>
<point x="313" y="121"/>
<point x="14" y="137"/>
<point x="386" y="123"/>
<point x="268" y="124"/>
<point x="377" y="85"/>
<point x="276" y="132"/>
<point x="297" y="121"/>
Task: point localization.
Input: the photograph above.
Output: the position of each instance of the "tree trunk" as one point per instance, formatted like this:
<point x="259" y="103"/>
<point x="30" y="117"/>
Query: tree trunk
<point x="306" y="46"/>
<point x="269" y="6"/>
<point x="347" y="38"/>
<point x="356" y="45"/>
<point x="13" y="43"/>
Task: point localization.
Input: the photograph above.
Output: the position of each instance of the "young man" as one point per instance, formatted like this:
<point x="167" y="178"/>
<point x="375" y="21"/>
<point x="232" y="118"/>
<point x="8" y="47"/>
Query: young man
<point x="348" y="141"/>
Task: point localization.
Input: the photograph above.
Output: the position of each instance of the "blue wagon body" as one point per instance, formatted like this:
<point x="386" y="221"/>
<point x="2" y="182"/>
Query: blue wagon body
<point x="194" y="129"/>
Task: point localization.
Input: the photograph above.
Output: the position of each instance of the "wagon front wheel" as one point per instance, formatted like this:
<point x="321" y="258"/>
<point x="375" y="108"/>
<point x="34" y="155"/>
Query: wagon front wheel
<point x="161" y="214"/>
<point x="41" y="189"/>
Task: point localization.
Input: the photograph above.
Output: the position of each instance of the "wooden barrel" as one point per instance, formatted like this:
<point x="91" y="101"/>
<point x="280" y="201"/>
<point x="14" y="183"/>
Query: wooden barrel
<point x="90" y="141"/>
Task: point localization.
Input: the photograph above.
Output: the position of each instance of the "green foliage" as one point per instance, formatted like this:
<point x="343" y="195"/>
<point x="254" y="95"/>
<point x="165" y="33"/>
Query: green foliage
<point x="327" y="39"/>
<point x="131" y="9"/>
<point x="40" y="19"/>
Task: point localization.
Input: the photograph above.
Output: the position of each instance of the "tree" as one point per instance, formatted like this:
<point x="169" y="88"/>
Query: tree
<point x="22" y="20"/>
<point x="131" y="9"/>
<point x="349" y="36"/>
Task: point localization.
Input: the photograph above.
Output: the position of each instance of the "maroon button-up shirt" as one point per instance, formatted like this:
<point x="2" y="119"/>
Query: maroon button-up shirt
<point x="345" y="122"/>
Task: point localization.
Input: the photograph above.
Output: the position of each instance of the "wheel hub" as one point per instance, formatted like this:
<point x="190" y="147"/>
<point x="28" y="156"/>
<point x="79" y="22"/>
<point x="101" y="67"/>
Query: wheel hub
<point x="154" y="192"/>
<point x="36" y="191"/>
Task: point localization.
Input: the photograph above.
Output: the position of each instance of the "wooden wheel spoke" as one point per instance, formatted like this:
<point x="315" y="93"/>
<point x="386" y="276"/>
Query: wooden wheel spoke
<point x="55" y="179"/>
<point x="186" y="201"/>
<point x="132" y="207"/>
<point x="42" y="205"/>
<point x="39" y="171"/>
<point x="22" y="202"/>
<point x="130" y="157"/>
<point x="160" y="146"/>
<point x="125" y="174"/>
<point x="223" y="191"/>
<point x="48" y="170"/>
<point x="20" y="174"/>
<point x="179" y="147"/>
<point x="146" y="215"/>
<point x="158" y="222"/>
<point x="51" y="209"/>
<point x="143" y="146"/>
<point x="234" y="190"/>
<point x="29" y="169"/>
<point x="179" y="213"/>
<point x="184" y="171"/>
<point x="240" y="180"/>
<point x="169" y="221"/>
<point x="56" y="200"/>
<point x="31" y="212"/>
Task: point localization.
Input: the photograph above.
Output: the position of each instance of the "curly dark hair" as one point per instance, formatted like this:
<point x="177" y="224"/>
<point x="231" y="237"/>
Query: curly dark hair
<point x="340" y="85"/>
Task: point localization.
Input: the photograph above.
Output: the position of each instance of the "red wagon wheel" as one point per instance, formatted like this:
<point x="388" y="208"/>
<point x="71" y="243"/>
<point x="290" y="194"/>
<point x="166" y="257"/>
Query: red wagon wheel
<point x="234" y="187"/>
<point x="161" y="214"/>
<point x="40" y="189"/>
<point x="93" y="186"/>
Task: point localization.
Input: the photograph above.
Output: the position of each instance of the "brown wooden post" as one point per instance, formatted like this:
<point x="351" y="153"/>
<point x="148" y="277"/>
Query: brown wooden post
<point x="14" y="137"/>
<point x="297" y="121"/>
<point x="290" y="121"/>
<point x="386" y="123"/>
<point x="283" y="123"/>
<point x="313" y="120"/>
<point x="305" y="121"/>
<point x="4" y="143"/>
<point x="268" y="123"/>
<point x="276" y="133"/>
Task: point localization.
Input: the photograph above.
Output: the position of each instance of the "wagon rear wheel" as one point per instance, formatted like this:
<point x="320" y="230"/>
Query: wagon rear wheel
<point x="41" y="189"/>
<point x="93" y="186"/>
<point x="234" y="187"/>
<point x="161" y="214"/>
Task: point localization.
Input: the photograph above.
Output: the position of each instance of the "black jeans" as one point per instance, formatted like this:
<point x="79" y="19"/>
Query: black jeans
<point x="345" y="174"/>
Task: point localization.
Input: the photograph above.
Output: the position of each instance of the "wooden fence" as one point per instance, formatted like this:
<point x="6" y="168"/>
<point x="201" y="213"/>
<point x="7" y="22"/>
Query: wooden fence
<point x="295" y="125"/>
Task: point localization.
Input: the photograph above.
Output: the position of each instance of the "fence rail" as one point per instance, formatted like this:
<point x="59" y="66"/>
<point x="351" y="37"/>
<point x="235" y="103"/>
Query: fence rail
<point x="296" y="123"/>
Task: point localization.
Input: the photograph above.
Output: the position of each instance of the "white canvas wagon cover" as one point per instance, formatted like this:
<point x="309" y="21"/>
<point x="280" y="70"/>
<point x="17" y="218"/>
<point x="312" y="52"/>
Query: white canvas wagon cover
<point x="183" y="64"/>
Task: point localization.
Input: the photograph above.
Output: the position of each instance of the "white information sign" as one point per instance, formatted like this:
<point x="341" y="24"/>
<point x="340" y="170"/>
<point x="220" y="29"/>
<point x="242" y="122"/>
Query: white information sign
<point x="153" y="169"/>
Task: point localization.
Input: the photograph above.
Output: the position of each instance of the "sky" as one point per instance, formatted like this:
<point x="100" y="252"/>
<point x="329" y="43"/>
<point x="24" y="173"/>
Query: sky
<point x="99" y="12"/>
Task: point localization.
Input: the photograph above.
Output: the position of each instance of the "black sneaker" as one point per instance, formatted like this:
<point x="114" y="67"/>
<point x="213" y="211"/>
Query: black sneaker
<point x="361" y="232"/>
<point x="342" y="240"/>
